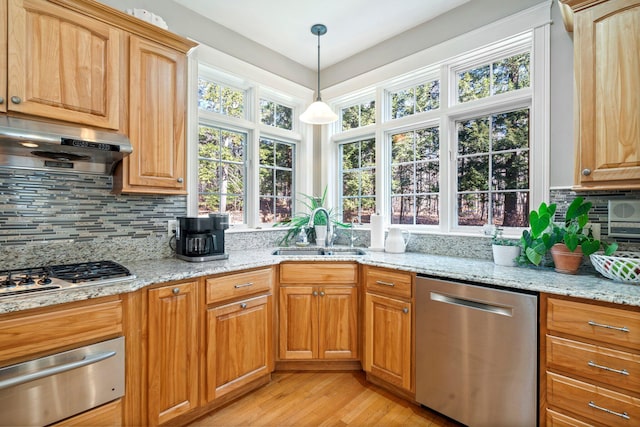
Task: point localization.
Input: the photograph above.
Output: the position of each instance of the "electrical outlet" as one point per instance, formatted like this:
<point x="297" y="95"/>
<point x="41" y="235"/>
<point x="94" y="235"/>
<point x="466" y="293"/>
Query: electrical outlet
<point x="172" y="226"/>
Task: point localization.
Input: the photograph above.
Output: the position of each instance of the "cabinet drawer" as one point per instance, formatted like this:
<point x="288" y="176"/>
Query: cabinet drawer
<point x="555" y="419"/>
<point x="319" y="272"/>
<point x="593" y="402"/>
<point x="37" y="334"/>
<point x="388" y="282"/>
<point x="611" y="325"/>
<point x="238" y="285"/>
<point x="617" y="368"/>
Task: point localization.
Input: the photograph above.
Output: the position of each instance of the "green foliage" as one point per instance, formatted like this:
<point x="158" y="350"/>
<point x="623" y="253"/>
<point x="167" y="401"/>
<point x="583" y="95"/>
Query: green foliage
<point x="499" y="240"/>
<point x="301" y="220"/>
<point x="544" y="233"/>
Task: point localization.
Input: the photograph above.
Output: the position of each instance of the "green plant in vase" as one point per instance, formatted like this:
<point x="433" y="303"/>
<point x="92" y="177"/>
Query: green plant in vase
<point x="300" y="221"/>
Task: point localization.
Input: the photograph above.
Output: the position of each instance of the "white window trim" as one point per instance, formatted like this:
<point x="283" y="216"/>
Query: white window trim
<point x="535" y="20"/>
<point x="259" y="83"/>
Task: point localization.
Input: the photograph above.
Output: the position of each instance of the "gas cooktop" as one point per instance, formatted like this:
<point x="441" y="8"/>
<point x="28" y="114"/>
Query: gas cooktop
<point x="40" y="279"/>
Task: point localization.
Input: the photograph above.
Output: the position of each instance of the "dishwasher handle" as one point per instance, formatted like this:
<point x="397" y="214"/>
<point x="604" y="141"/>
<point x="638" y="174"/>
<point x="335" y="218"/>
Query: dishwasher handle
<point x="469" y="303"/>
<point x="88" y="360"/>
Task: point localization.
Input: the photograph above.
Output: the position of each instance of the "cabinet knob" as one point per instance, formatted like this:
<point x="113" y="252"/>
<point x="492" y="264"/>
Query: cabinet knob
<point x="180" y="180"/>
<point x="315" y="293"/>
<point x="16" y="99"/>
<point x="1" y="100"/>
<point x="243" y="305"/>
<point x="586" y="171"/>
<point x="405" y="310"/>
<point x="321" y="293"/>
<point x="175" y="291"/>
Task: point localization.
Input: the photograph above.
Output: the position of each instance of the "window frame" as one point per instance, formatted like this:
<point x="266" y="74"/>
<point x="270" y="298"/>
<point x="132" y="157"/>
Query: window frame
<point x="258" y="84"/>
<point x="505" y="38"/>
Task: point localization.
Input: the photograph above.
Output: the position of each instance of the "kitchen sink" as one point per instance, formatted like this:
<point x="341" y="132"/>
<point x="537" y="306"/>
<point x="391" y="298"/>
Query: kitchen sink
<point x="319" y="251"/>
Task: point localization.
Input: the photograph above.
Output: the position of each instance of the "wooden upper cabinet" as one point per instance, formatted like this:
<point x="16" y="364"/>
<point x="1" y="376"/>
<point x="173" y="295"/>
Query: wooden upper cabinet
<point x="3" y="57"/>
<point x="157" y="110"/>
<point x="607" y="83"/>
<point x="62" y="64"/>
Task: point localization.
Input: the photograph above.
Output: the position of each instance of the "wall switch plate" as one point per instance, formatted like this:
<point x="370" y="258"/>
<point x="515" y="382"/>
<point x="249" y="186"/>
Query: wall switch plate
<point x="172" y="226"/>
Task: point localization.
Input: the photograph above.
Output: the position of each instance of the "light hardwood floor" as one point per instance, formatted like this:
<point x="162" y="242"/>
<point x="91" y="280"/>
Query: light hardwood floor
<point x="322" y="399"/>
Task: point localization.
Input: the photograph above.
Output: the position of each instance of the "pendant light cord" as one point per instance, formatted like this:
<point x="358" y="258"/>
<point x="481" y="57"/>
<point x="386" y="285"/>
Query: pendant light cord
<point x="318" y="97"/>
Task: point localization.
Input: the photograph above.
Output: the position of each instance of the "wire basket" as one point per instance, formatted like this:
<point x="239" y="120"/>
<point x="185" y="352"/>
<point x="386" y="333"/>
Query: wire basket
<point x="623" y="267"/>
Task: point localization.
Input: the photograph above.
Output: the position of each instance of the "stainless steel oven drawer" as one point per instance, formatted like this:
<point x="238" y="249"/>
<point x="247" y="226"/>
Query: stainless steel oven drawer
<point x="52" y="388"/>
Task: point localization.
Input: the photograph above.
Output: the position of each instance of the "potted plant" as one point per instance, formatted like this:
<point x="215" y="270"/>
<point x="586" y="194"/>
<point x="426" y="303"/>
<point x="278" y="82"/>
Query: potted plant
<point x="300" y="221"/>
<point x="561" y="239"/>
<point x="505" y="251"/>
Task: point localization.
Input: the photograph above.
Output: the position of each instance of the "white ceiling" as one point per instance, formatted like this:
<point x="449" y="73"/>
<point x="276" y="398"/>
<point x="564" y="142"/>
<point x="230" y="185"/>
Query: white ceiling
<point x="352" y="25"/>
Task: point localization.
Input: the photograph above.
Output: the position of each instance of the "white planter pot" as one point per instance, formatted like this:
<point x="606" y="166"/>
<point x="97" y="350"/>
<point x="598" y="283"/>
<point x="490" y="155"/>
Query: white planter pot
<point x="321" y="234"/>
<point x="505" y="255"/>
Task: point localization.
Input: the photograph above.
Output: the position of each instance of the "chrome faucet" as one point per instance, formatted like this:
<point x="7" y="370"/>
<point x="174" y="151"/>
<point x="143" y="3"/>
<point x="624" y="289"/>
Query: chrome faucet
<point x="328" y="240"/>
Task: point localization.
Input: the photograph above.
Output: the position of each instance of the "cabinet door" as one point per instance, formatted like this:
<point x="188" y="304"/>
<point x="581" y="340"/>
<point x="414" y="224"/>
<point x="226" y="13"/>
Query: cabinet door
<point x="3" y="57"/>
<point x="173" y="351"/>
<point x="338" y="322"/>
<point x="63" y="65"/>
<point x="298" y="322"/>
<point x="239" y="344"/>
<point x="157" y="119"/>
<point x="388" y="339"/>
<point x="607" y="66"/>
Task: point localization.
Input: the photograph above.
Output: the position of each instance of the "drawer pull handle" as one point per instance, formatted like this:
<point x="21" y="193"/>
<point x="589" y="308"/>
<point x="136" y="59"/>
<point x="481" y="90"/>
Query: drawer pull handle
<point x="609" y="411"/>
<point x="606" y="368"/>
<point x="623" y="329"/>
<point x="380" y="282"/>
<point x="243" y="285"/>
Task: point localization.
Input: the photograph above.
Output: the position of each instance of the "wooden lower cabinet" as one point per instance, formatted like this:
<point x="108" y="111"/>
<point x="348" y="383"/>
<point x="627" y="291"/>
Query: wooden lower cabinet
<point x="239" y="344"/>
<point x="591" y="363"/>
<point x="318" y="311"/>
<point x="172" y="351"/>
<point x="318" y="322"/>
<point x="388" y="346"/>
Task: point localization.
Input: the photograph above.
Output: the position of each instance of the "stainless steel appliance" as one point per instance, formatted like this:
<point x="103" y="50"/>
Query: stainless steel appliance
<point x="34" y="144"/>
<point x="52" y="388"/>
<point x="42" y="279"/>
<point x="476" y="353"/>
<point x="201" y="238"/>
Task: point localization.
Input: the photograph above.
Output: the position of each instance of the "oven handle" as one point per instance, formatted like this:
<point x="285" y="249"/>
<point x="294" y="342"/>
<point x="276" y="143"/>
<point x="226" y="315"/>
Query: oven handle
<point x="88" y="360"/>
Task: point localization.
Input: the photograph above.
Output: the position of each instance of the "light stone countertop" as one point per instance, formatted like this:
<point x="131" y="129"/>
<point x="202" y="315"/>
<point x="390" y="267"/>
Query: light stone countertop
<point x="590" y="286"/>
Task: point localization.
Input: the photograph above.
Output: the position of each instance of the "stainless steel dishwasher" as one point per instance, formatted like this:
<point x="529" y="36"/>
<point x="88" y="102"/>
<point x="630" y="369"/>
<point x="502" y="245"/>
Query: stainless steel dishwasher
<point x="477" y="353"/>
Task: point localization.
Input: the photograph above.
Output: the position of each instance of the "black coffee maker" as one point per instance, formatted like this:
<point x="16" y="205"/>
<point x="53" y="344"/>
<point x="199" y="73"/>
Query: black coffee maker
<point x="201" y="239"/>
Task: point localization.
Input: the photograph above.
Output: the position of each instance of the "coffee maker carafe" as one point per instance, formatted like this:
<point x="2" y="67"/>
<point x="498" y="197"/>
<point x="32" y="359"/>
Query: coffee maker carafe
<point x="201" y="238"/>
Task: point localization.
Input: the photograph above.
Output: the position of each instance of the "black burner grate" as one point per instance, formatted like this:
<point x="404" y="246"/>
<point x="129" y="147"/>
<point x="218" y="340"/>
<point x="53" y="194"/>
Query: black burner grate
<point x="88" y="271"/>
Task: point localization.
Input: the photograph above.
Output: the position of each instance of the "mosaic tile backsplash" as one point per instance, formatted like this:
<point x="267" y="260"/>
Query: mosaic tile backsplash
<point x="49" y="218"/>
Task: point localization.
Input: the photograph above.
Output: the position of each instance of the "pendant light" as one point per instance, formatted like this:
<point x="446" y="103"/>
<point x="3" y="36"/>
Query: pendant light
<point x="318" y="113"/>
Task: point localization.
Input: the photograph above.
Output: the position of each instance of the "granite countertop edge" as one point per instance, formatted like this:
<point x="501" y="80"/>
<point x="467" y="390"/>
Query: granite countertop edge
<point x="483" y="272"/>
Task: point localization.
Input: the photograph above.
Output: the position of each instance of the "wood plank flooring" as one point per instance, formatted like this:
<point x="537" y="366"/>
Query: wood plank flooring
<point x="322" y="399"/>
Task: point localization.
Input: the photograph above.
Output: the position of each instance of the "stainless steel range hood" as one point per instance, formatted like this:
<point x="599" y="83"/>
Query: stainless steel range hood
<point x="32" y="144"/>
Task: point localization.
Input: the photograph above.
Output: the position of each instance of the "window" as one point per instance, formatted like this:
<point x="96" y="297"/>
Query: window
<point x="502" y="76"/>
<point x="416" y="99"/>
<point x="358" y="115"/>
<point x="460" y="142"/>
<point x="277" y="115"/>
<point x="276" y="179"/>
<point x="220" y="99"/>
<point x="493" y="169"/>
<point x="221" y="172"/>
<point x="358" y="178"/>
<point x="415" y="176"/>
<point x="243" y="143"/>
